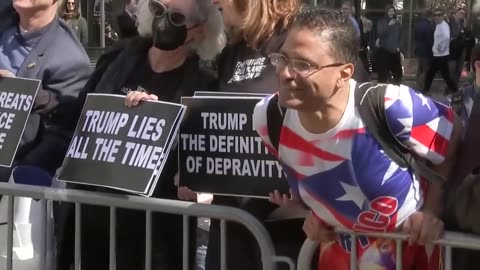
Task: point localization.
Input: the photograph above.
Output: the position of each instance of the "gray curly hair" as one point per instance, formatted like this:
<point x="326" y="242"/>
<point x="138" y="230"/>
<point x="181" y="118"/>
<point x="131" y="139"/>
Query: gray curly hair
<point x="205" y="11"/>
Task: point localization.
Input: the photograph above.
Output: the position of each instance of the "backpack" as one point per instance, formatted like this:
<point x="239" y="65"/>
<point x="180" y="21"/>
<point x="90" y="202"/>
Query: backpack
<point x="369" y="99"/>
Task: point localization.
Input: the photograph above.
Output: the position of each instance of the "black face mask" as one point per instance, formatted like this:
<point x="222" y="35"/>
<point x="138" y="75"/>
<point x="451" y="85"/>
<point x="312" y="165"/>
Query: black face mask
<point x="166" y="35"/>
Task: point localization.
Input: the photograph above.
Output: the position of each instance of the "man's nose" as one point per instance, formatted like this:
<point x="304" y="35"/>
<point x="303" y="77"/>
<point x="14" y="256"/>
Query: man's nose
<point x="285" y="72"/>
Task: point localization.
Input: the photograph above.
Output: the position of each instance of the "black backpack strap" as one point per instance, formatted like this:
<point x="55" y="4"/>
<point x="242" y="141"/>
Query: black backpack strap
<point x="370" y="102"/>
<point x="275" y="117"/>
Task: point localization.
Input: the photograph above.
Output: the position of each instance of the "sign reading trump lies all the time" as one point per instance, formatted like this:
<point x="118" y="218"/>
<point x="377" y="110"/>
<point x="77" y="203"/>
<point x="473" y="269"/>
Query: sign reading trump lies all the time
<point x="119" y="147"/>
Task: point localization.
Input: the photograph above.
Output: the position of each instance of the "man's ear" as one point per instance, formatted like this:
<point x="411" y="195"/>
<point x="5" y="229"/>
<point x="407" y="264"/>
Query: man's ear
<point x="346" y="72"/>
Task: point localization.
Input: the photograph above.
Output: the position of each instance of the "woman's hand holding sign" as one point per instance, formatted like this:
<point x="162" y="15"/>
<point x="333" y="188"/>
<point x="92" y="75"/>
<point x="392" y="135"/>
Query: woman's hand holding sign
<point x="134" y="97"/>
<point x="186" y="194"/>
<point x="284" y="200"/>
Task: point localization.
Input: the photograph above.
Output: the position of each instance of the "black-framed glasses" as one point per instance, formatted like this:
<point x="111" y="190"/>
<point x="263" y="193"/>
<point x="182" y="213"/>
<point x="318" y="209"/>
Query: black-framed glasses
<point x="159" y="9"/>
<point x="301" y="67"/>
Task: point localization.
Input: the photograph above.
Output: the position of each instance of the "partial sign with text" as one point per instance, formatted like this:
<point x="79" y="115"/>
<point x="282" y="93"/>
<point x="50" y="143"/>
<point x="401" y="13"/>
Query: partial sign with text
<point x="17" y="97"/>
<point x="119" y="147"/>
<point x="221" y="153"/>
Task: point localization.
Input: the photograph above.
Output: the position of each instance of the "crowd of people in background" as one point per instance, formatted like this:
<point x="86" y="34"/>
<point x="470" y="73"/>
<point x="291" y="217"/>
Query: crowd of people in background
<point x="318" y="60"/>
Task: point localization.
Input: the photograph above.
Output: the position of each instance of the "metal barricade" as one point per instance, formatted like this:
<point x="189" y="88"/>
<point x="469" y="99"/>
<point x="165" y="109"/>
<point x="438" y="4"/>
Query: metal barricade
<point x="149" y="205"/>
<point x="448" y="241"/>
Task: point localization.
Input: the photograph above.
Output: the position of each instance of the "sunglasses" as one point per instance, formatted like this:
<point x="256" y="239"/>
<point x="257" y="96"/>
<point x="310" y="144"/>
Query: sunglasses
<point x="159" y="9"/>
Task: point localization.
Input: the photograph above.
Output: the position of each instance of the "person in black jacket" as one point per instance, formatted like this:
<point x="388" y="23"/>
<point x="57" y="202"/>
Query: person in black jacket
<point x="458" y="44"/>
<point x="127" y="21"/>
<point x="162" y="63"/>
<point x="424" y="29"/>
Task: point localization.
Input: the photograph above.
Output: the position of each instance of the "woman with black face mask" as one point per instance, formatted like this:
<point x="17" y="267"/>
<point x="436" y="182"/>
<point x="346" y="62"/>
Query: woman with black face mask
<point x="162" y="63"/>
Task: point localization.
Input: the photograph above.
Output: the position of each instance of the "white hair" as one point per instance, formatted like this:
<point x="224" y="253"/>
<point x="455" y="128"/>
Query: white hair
<point x="207" y="48"/>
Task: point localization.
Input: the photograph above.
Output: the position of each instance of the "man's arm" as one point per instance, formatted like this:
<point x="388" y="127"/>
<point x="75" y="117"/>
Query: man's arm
<point x="432" y="131"/>
<point x="62" y="82"/>
<point x="381" y="27"/>
<point x="434" y="199"/>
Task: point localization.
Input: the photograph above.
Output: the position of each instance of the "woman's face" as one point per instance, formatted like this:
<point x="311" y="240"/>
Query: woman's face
<point x="70" y="5"/>
<point x="391" y="13"/>
<point x="231" y="17"/>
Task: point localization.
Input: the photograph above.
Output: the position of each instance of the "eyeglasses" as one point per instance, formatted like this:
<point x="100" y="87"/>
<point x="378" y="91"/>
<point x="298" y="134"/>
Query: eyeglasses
<point x="159" y="9"/>
<point x="301" y="67"/>
<point x="71" y="3"/>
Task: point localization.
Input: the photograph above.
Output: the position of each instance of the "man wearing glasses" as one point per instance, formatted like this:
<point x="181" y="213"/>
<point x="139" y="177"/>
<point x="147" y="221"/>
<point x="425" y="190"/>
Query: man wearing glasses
<point x="441" y="54"/>
<point x="335" y="166"/>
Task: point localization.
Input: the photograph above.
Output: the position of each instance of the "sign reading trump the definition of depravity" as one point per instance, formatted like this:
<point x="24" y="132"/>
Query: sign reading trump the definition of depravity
<point x="17" y="97"/>
<point x="221" y="153"/>
<point x="119" y="147"/>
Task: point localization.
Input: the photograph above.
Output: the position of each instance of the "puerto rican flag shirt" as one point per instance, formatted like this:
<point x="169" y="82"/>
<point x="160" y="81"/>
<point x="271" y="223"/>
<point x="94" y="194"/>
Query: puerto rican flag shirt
<point x="345" y="177"/>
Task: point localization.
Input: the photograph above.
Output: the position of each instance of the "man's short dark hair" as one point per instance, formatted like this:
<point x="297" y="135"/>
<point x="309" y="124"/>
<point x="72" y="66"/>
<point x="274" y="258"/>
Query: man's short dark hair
<point x="332" y="27"/>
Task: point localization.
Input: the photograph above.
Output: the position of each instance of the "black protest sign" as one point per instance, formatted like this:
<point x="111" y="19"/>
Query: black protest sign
<point x="119" y="147"/>
<point x="17" y="97"/>
<point x="221" y="153"/>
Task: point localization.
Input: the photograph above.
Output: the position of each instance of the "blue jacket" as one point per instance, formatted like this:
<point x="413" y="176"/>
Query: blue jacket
<point x="62" y="65"/>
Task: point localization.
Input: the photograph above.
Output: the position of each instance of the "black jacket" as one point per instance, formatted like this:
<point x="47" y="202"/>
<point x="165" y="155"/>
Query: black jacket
<point x="424" y="30"/>
<point x="127" y="27"/>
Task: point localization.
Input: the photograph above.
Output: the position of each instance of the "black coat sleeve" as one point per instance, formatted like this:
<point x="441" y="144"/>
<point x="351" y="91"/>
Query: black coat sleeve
<point x="126" y="26"/>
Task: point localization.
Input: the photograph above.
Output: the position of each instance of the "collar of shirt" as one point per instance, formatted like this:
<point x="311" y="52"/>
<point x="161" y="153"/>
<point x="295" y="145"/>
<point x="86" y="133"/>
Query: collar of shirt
<point x="31" y="38"/>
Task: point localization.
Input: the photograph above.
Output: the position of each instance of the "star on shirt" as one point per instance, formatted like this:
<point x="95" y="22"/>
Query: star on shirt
<point x="424" y="100"/>
<point x="390" y="171"/>
<point x="353" y="194"/>
<point x="406" y="122"/>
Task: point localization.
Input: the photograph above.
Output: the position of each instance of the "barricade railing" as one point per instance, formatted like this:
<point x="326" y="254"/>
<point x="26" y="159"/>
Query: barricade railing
<point x="149" y="205"/>
<point x="448" y="241"/>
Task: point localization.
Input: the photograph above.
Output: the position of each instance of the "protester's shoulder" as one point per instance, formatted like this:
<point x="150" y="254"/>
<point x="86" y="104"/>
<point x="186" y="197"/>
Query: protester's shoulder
<point x="82" y="20"/>
<point x="207" y="78"/>
<point x="260" y="118"/>
<point x="200" y="71"/>
<point x="403" y="102"/>
<point x="260" y="111"/>
<point x="126" y="47"/>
